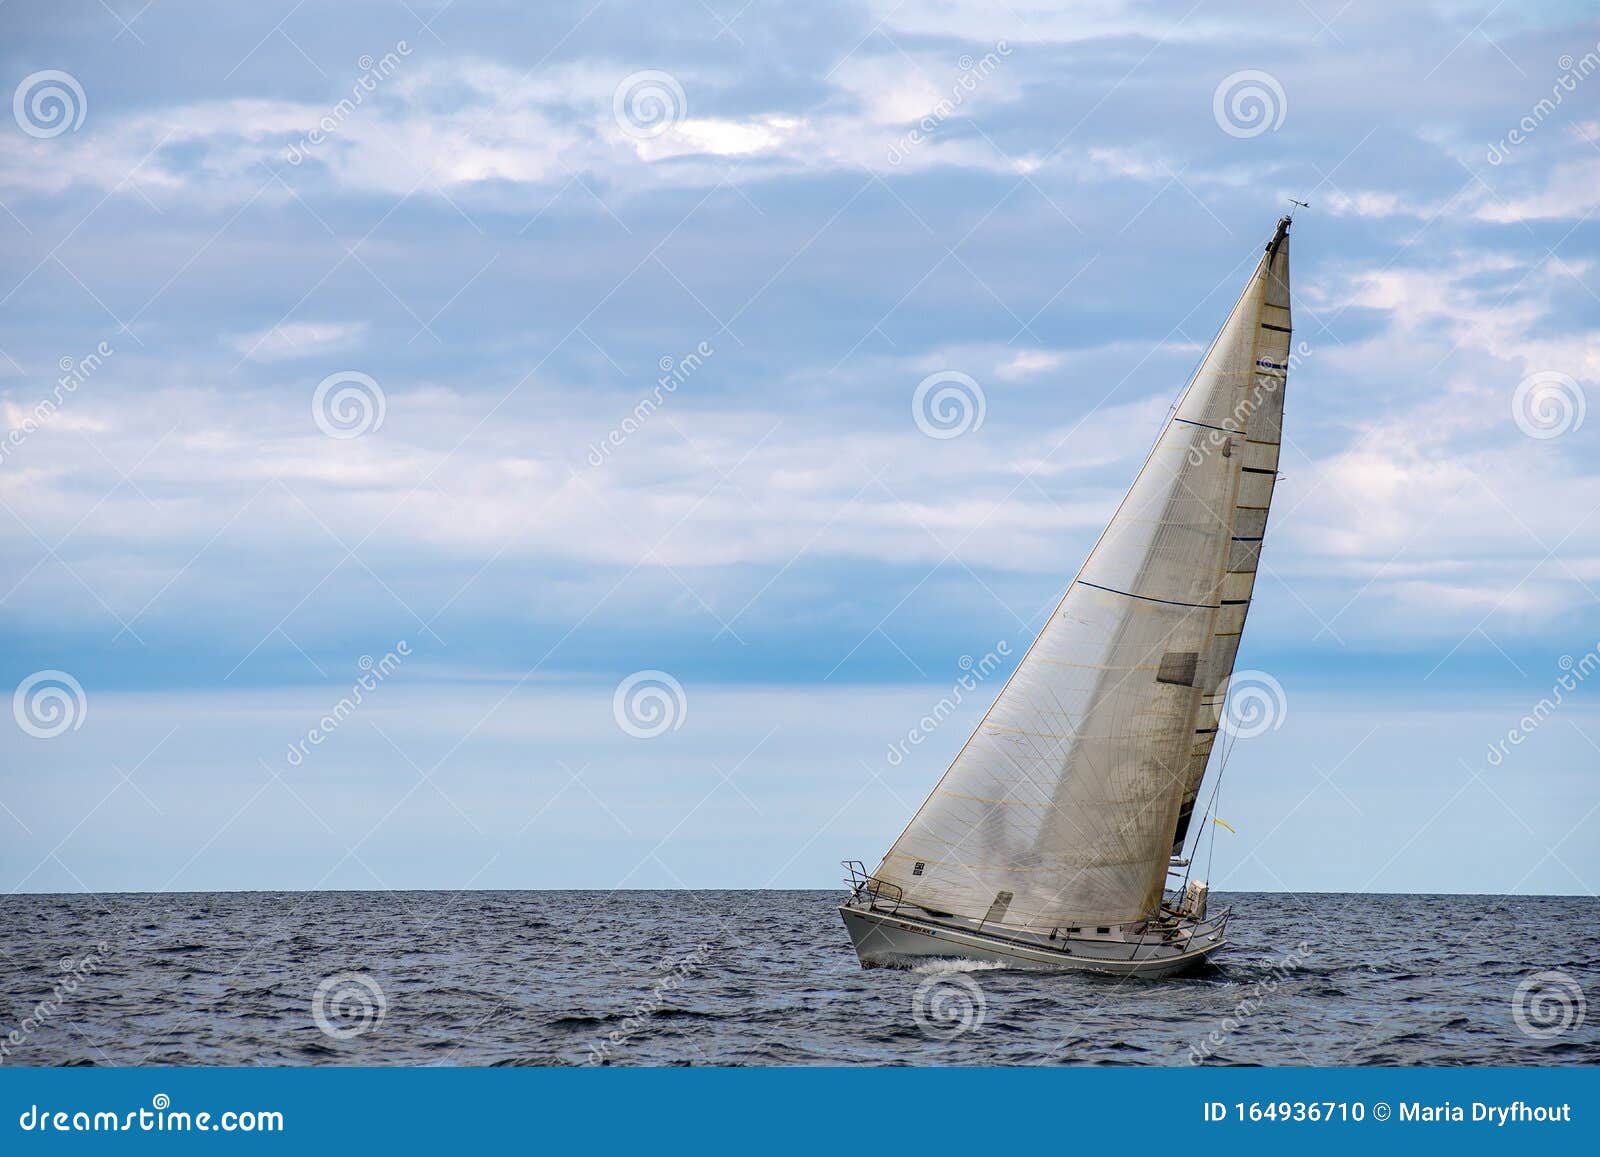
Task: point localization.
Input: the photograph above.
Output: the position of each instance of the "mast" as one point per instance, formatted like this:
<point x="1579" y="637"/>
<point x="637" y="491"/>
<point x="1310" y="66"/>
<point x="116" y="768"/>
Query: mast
<point x="1064" y="805"/>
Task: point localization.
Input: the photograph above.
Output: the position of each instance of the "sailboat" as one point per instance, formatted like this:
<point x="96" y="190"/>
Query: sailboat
<point x="1050" y="840"/>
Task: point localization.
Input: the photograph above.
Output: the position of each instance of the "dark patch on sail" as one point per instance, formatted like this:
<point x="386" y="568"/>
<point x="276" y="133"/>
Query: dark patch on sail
<point x="917" y="868"/>
<point x="997" y="910"/>
<point x="1178" y="667"/>
<point x="1184" y="816"/>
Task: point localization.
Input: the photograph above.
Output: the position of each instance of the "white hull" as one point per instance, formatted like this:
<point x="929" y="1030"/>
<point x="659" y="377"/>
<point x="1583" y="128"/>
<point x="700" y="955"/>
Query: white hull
<point x="884" y="940"/>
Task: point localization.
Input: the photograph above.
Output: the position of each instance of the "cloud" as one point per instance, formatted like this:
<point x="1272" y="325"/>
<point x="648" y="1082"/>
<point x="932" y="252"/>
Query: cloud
<point x="1569" y="191"/>
<point x="299" y="339"/>
<point x="721" y="138"/>
<point x="1424" y="295"/>
<point x="1027" y="363"/>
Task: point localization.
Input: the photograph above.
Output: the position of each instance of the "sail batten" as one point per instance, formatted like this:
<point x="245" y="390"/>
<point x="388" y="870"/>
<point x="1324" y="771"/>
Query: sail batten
<point x="1065" y="803"/>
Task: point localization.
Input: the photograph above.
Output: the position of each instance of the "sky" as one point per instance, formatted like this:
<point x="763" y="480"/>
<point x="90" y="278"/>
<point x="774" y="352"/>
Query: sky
<point x="653" y="412"/>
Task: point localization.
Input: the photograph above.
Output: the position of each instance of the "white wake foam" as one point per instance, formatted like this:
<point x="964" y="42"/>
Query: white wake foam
<point x="934" y="966"/>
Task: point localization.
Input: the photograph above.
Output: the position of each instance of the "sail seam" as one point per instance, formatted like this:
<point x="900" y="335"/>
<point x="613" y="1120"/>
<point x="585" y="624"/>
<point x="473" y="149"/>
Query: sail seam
<point x="1147" y="598"/>
<point x="1206" y="426"/>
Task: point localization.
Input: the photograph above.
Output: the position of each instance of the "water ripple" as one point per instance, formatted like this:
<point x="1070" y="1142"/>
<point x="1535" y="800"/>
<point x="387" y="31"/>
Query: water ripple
<point x="753" y="978"/>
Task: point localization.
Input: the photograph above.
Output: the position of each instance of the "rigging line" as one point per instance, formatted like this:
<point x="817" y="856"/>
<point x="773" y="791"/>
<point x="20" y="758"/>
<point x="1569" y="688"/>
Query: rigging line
<point x="1216" y="792"/>
<point x="1205" y="816"/>
<point x="1211" y="851"/>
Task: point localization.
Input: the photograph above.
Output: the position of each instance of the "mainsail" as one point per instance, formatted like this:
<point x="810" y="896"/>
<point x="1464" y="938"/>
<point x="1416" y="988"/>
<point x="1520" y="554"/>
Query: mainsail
<point x="1066" y="803"/>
